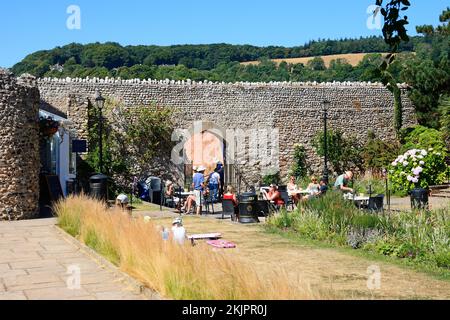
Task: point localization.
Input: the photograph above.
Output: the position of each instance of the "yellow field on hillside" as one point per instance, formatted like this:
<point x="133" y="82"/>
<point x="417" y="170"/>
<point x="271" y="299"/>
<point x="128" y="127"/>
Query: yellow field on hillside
<point x="352" y="58"/>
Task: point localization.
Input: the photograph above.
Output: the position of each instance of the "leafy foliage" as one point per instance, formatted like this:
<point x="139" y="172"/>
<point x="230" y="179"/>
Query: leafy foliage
<point x="132" y="139"/>
<point x="420" y="137"/>
<point x="271" y="178"/>
<point x="444" y="108"/>
<point x="299" y="167"/>
<point x="343" y="153"/>
<point x="377" y="154"/>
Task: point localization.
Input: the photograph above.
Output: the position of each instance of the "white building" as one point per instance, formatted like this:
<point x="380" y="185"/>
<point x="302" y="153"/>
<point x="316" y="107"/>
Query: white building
<point x="56" y="155"/>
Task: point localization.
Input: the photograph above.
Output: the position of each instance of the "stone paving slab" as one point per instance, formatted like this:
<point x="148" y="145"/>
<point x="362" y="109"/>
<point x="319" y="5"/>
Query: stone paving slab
<point x="36" y="262"/>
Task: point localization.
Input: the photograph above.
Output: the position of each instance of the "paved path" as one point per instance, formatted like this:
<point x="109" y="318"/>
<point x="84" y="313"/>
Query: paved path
<point x="37" y="262"/>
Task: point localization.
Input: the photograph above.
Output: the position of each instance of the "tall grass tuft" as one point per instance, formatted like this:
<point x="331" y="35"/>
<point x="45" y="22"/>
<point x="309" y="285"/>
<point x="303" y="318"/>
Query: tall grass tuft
<point x="175" y="271"/>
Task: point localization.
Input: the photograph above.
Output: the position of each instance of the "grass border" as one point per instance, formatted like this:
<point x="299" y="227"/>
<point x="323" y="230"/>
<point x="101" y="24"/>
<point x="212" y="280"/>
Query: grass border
<point x="104" y="262"/>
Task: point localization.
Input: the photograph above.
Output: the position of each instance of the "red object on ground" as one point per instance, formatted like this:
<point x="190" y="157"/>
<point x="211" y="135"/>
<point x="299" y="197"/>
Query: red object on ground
<point x="221" y="244"/>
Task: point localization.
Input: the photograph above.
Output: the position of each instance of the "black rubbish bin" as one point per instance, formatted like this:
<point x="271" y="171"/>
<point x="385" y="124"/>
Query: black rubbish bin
<point x="155" y="189"/>
<point x="419" y="198"/>
<point x="248" y="208"/>
<point x="99" y="186"/>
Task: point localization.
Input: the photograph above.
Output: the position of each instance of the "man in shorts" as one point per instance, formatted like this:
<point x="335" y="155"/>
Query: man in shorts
<point x="198" y="184"/>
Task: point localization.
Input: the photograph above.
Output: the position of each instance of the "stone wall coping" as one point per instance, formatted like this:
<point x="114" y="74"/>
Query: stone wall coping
<point x="189" y="82"/>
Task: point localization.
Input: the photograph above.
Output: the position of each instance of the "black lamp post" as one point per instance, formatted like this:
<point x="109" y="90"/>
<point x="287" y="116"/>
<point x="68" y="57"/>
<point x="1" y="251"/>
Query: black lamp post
<point x="100" y="102"/>
<point x="326" y="103"/>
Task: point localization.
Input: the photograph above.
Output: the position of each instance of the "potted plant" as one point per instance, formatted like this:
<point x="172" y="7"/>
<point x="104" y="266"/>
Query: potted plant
<point x="415" y="171"/>
<point x="48" y="127"/>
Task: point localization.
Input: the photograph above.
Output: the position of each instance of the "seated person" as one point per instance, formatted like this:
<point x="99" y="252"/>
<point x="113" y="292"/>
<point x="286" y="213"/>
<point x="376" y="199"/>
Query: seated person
<point x="170" y="192"/>
<point x="169" y="189"/>
<point x="231" y="195"/>
<point x="313" y="187"/>
<point x="293" y="190"/>
<point x="323" y="187"/>
<point x="122" y="201"/>
<point x="342" y="182"/>
<point x="274" y="195"/>
<point x="322" y="190"/>
<point x="188" y="204"/>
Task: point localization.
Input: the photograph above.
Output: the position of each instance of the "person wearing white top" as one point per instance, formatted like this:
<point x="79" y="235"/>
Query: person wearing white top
<point x="178" y="231"/>
<point x="293" y="190"/>
<point x="122" y="200"/>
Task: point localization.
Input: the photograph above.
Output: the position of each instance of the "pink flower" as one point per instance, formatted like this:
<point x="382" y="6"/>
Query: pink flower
<point x="409" y="178"/>
<point x="417" y="170"/>
<point x="415" y="179"/>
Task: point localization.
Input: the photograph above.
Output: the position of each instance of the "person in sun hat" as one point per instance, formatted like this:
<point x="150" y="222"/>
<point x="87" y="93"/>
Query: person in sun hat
<point x="178" y="231"/>
<point x="199" y="184"/>
<point x="122" y="201"/>
<point x="214" y="184"/>
<point x="342" y="182"/>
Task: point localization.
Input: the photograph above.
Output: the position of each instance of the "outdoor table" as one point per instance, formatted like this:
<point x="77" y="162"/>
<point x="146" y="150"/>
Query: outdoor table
<point x="302" y="191"/>
<point x="360" y="201"/>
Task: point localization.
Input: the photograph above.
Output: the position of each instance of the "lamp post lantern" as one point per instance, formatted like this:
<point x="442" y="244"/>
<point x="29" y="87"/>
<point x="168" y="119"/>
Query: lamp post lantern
<point x="326" y="104"/>
<point x="100" y="102"/>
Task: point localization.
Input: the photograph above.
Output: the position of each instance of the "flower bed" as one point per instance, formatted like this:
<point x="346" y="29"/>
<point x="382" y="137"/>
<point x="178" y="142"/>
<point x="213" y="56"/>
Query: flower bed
<point x="422" y="238"/>
<point x="418" y="168"/>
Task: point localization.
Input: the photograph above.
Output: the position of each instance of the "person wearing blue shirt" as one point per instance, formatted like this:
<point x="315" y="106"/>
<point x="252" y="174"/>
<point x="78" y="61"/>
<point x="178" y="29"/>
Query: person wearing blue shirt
<point x="214" y="183"/>
<point x="198" y="185"/>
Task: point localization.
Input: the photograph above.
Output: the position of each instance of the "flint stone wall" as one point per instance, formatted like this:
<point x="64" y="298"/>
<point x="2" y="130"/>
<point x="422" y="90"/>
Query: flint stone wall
<point x="295" y="109"/>
<point x="19" y="147"/>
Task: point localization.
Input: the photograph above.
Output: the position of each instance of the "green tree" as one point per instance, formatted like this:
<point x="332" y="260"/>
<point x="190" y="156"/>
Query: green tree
<point x="316" y="64"/>
<point x="343" y="153"/>
<point x="378" y="154"/>
<point x="133" y="138"/>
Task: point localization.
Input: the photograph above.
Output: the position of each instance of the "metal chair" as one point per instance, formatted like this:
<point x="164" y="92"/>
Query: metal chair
<point x="287" y="200"/>
<point x="207" y="200"/>
<point x="263" y="208"/>
<point x="228" y="208"/>
<point x="376" y="204"/>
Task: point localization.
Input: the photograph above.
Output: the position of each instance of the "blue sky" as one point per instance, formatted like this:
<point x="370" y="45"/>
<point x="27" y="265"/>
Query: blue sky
<point x="28" y="26"/>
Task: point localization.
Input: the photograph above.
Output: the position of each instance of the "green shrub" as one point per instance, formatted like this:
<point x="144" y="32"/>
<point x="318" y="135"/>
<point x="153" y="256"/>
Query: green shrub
<point x="377" y="154"/>
<point x="299" y="168"/>
<point x="271" y="178"/>
<point x="442" y="258"/>
<point x="420" y="137"/>
<point x="378" y="186"/>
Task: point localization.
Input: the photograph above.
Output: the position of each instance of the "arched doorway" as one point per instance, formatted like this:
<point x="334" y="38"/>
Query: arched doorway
<point x="205" y="149"/>
<point x="206" y="145"/>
